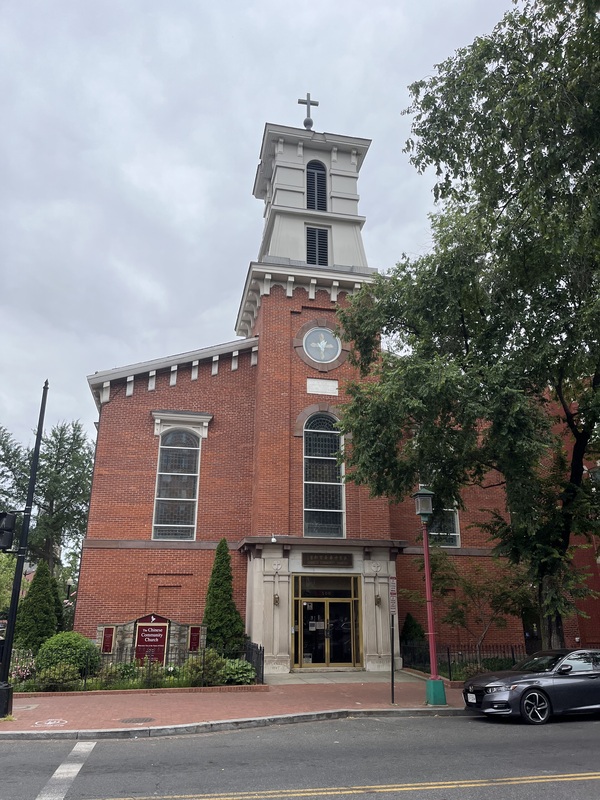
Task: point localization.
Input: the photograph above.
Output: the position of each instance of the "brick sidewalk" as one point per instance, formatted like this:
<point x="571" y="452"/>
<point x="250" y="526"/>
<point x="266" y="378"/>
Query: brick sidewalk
<point x="140" y="710"/>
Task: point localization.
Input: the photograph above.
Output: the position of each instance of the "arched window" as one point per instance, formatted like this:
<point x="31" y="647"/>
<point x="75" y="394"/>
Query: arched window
<point x="316" y="186"/>
<point x="323" y="487"/>
<point x="177" y="485"/>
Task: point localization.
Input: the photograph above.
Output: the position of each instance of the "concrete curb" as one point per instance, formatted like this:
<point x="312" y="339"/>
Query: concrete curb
<point x="233" y="724"/>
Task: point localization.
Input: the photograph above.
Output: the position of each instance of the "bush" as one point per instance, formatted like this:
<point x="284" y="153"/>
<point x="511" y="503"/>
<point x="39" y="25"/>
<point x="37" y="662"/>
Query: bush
<point x="239" y="672"/>
<point x="124" y="675"/>
<point x="152" y="674"/>
<point x="60" y="677"/>
<point x="496" y="664"/>
<point x="69" y="648"/>
<point x="207" y="671"/>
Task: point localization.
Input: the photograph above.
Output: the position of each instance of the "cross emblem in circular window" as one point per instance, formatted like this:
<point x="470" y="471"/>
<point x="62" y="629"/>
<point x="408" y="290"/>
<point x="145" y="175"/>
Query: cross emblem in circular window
<point x="318" y="346"/>
<point x="322" y="345"/>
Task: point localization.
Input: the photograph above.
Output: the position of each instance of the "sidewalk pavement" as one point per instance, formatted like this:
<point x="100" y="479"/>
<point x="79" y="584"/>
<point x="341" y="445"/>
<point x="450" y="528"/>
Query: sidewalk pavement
<point x="297" y="697"/>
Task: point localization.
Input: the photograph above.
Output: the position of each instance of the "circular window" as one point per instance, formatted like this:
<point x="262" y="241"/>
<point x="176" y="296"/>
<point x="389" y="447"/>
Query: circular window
<point x="321" y="345"/>
<point x="317" y="345"/>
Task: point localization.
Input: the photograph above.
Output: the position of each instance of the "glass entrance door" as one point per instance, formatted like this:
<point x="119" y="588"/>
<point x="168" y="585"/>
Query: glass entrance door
<point x="327" y="633"/>
<point x="313" y="633"/>
<point x="326" y="621"/>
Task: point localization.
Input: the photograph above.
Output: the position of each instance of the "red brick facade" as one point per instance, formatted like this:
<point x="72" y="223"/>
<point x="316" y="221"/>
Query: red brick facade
<point x="258" y="394"/>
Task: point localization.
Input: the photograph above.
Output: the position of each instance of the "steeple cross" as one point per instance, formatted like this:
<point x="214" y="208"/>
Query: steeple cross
<point x="308" y="123"/>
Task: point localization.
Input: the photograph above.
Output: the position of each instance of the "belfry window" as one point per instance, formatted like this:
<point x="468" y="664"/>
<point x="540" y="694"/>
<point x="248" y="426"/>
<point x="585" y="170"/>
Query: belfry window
<point x="316" y="186"/>
<point x="317" y="246"/>
<point x="323" y="487"/>
<point x="177" y="486"/>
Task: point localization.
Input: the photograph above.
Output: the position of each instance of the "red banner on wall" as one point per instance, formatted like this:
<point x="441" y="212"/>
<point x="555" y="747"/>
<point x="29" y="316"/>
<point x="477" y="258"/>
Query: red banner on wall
<point x="197" y="639"/>
<point x="108" y="639"/>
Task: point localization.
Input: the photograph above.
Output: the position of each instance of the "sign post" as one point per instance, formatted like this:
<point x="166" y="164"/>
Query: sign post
<point x="393" y="612"/>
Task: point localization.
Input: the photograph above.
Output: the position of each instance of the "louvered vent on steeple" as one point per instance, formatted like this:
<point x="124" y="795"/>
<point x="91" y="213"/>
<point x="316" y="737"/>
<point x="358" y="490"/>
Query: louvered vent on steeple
<point x="316" y="186"/>
<point x="317" y="246"/>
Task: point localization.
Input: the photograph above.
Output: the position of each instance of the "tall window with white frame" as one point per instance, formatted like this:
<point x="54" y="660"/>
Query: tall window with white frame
<point x="177" y="486"/>
<point x="323" y="486"/>
<point x="444" y="528"/>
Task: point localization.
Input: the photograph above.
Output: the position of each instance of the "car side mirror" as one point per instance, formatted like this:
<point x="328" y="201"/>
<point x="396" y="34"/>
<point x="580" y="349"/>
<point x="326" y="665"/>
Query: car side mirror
<point x="564" y="669"/>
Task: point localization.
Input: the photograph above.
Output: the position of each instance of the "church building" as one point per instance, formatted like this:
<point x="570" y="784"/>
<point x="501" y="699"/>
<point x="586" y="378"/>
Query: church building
<point x="238" y="440"/>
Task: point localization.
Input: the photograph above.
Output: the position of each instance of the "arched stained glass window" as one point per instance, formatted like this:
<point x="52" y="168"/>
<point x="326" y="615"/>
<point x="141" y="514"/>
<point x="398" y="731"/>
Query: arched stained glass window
<point x="177" y="486"/>
<point x="323" y="487"/>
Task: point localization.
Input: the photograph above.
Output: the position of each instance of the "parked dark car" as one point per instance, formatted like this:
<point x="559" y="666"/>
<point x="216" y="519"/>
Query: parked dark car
<point x="545" y="683"/>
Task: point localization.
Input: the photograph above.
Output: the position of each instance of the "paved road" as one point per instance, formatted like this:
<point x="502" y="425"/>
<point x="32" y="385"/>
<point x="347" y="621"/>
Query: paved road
<point x="439" y="758"/>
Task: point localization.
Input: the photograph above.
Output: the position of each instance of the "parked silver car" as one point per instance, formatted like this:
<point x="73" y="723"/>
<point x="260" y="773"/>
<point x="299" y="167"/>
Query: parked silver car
<point x="545" y="683"/>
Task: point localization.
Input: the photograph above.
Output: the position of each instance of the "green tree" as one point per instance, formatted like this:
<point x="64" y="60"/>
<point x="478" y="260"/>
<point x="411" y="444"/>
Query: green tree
<point x="36" y="616"/>
<point x="7" y="574"/>
<point x="63" y="484"/>
<point x="225" y="626"/>
<point x="492" y="370"/>
<point x="13" y="467"/>
<point x="479" y="598"/>
<point x="62" y="492"/>
<point x="58" y="605"/>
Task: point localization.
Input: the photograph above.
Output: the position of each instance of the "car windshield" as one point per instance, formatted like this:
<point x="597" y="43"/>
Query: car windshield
<point x="539" y="662"/>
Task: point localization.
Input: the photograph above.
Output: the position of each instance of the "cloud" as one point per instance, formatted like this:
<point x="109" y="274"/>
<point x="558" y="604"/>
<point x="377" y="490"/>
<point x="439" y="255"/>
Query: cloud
<point x="130" y="139"/>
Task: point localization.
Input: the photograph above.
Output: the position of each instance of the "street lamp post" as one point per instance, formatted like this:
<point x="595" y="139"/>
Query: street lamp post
<point x="435" y="691"/>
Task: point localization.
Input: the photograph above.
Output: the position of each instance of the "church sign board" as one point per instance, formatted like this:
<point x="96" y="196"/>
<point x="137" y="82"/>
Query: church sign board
<point x="151" y="635"/>
<point x="343" y="560"/>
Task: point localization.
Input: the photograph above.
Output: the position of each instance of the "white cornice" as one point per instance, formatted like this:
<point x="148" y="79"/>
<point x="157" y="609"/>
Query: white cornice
<point x="99" y="378"/>
<point x="326" y="142"/>
<point x="291" y="275"/>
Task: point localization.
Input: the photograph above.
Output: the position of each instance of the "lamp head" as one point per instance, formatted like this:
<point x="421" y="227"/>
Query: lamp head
<point x="424" y="504"/>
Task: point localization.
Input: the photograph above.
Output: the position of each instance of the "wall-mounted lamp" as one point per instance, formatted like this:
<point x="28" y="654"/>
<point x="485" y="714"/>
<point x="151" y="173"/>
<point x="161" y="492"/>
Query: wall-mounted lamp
<point x="377" y="599"/>
<point x="273" y="540"/>
<point x="275" y="599"/>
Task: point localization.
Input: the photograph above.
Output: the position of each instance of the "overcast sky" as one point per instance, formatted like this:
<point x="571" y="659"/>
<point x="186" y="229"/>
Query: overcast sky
<point x="129" y="142"/>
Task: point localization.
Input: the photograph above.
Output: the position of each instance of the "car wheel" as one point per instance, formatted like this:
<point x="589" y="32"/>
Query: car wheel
<point x="535" y="707"/>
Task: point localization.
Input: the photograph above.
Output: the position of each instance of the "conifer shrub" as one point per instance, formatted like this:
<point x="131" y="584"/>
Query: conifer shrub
<point x="36" y="615"/>
<point x="412" y="631"/>
<point x="225" y="626"/>
<point x="71" y="648"/>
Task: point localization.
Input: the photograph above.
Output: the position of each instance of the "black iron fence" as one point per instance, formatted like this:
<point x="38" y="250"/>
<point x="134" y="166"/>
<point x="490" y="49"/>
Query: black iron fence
<point x="121" y="670"/>
<point x="460" y="663"/>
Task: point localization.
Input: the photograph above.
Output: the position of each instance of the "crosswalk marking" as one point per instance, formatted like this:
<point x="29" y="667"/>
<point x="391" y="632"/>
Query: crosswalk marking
<point x="64" y="775"/>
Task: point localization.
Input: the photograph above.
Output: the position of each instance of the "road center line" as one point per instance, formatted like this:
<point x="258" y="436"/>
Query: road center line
<point x="59" y="784"/>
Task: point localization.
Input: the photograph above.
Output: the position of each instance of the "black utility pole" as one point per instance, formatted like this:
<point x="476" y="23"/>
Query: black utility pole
<point x="5" y="689"/>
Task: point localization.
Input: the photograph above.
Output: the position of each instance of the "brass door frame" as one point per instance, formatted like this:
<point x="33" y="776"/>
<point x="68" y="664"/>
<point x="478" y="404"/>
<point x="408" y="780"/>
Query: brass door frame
<point x="298" y="623"/>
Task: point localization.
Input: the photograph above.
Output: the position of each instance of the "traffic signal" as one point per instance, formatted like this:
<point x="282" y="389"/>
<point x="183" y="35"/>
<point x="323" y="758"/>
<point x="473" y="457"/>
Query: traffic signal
<point x="7" y="528"/>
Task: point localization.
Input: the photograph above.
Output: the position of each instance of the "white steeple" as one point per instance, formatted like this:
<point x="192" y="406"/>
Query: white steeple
<point x="312" y="232"/>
